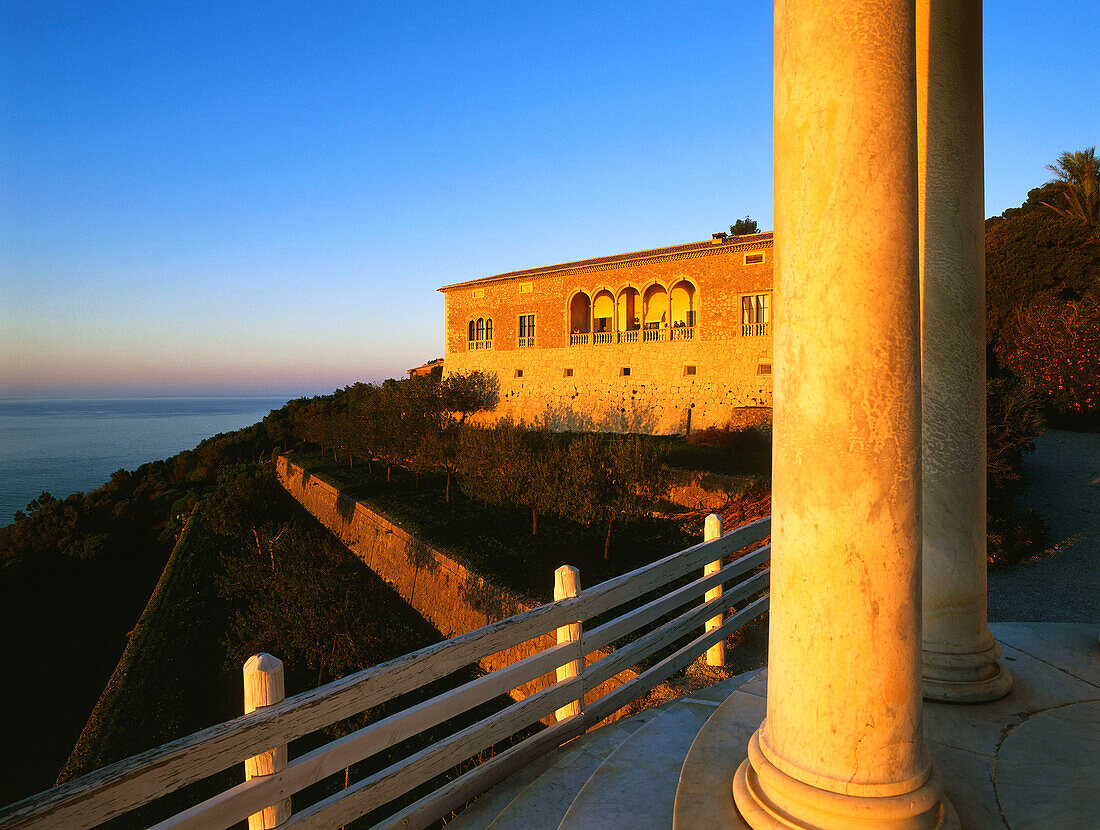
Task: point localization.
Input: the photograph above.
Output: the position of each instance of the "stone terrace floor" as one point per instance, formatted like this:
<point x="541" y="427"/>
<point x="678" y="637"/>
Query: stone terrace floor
<point x="1030" y="761"/>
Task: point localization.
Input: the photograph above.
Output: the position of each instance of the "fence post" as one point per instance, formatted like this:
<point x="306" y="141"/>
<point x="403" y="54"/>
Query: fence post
<point x="712" y="529"/>
<point x="263" y="686"/>
<point x="567" y="583"/>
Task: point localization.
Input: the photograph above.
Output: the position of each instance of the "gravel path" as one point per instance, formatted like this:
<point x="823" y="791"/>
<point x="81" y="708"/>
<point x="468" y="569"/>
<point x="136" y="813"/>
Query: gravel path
<point x="1062" y="584"/>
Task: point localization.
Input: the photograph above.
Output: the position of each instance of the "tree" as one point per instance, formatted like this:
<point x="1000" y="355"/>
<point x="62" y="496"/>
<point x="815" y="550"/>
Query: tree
<point x="1030" y="251"/>
<point x="439" y="452"/>
<point x="467" y="393"/>
<point x="1076" y="187"/>
<point x="511" y="465"/>
<point x="744" y="226"/>
<point x="243" y="504"/>
<point x="609" y="480"/>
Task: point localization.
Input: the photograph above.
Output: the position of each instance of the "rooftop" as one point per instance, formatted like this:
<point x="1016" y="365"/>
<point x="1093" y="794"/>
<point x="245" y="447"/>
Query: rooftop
<point x="707" y="247"/>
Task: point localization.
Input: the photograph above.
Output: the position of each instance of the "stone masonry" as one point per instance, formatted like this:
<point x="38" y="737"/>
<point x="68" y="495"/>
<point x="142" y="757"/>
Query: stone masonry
<point x="711" y="371"/>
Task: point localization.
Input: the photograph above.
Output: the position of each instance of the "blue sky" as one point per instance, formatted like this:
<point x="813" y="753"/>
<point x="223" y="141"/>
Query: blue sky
<point x="246" y="197"/>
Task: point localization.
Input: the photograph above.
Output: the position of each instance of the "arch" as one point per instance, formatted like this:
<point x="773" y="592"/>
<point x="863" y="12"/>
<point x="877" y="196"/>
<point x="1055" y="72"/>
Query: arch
<point x="682" y="299"/>
<point x="473" y="331"/>
<point x="480" y="328"/>
<point x="655" y="305"/>
<point x="489" y="329"/>
<point x="580" y="313"/>
<point x="629" y="311"/>
<point x="603" y="310"/>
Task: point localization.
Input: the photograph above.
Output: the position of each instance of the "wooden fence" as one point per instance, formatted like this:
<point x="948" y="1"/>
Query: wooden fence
<point x="655" y="612"/>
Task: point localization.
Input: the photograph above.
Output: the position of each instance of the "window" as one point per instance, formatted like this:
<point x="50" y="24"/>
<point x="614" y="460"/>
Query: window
<point x="755" y="258"/>
<point x="526" y="330"/>
<point x="478" y="293"/>
<point x="568" y="373"/>
<point x="764" y="369"/>
<point x="689" y="371"/>
<point x="755" y="315"/>
<point x="624" y="372"/>
<point x="480" y="334"/>
<point x="526" y="287"/>
<point x="519" y="373"/>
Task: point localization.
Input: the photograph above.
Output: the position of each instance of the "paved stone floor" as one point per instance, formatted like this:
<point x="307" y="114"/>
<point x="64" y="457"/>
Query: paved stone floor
<point x="1029" y="761"/>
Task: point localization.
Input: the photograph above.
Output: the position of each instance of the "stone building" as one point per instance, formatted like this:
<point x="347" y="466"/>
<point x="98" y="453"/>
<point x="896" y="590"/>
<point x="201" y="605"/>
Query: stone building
<point x="664" y="340"/>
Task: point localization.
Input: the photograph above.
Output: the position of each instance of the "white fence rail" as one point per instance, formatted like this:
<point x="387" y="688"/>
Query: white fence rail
<point x="129" y="784"/>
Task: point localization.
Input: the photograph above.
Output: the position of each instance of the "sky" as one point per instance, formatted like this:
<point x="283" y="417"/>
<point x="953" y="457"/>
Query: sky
<point x="254" y="198"/>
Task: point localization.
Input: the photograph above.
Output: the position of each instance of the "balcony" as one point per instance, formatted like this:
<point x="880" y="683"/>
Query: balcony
<point x="478" y="345"/>
<point x="754" y="329"/>
<point x="647" y="335"/>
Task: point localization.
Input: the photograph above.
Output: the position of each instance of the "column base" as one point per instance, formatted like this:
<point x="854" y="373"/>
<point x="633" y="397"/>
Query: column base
<point x="769" y="799"/>
<point x="974" y="677"/>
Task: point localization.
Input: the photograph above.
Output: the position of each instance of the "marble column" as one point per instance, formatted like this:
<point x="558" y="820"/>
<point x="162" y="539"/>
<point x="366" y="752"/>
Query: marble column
<point x="960" y="655"/>
<point x="841" y="744"/>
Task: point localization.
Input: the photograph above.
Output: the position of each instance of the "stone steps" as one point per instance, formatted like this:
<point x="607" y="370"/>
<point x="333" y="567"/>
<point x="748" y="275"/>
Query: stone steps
<point x="580" y="785"/>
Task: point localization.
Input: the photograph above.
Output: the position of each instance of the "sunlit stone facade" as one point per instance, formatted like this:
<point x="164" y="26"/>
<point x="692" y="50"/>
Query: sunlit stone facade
<point x="652" y="341"/>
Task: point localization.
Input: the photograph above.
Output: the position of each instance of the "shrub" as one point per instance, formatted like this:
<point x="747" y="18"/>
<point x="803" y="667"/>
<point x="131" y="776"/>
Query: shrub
<point x="1056" y="346"/>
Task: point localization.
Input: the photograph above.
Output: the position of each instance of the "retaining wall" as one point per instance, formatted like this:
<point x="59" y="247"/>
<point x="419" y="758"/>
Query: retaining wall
<point x="450" y="596"/>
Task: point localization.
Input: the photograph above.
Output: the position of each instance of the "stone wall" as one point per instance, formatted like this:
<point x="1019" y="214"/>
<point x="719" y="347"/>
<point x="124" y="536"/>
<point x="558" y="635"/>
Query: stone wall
<point x="450" y="596"/>
<point x="656" y="397"/>
<point x="584" y="386"/>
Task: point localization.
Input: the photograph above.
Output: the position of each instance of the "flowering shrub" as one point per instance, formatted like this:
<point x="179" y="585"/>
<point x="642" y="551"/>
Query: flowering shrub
<point x="1056" y="345"/>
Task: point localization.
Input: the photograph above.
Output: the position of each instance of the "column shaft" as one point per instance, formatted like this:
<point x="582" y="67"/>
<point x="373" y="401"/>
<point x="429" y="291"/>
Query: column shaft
<point x="959" y="653"/>
<point x="841" y="745"/>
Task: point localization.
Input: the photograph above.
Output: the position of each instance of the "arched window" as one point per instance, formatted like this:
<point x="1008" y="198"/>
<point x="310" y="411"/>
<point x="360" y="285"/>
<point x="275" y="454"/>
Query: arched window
<point x="489" y="330"/>
<point x="480" y="328"/>
<point x="603" y="311"/>
<point x="580" y="311"/>
<point x="630" y="309"/>
<point x="471" y="338"/>
<point x="656" y="307"/>
<point x="682" y="302"/>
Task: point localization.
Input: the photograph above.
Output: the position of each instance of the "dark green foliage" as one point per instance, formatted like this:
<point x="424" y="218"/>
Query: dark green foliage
<point x="1013" y="421"/>
<point x="465" y="393"/>
<point x="169" y="681"/>
<point x="1043" y="332"/>
<point x="1076" y="188"/>
<point x="609" y="478"/>
<point x="1055" y="345"/>
<point x="1013" y="538"/>
<point x="316" y="607"/>
<point x="727" y="450"/>
<point x="1030" y="252"/>
<point x="744" y="226"/>
<point x="496" y="539"/>
<point x="511" y="465"/>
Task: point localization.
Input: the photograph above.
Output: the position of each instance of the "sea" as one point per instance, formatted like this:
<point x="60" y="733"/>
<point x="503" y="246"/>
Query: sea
<point x="66" y="445"/>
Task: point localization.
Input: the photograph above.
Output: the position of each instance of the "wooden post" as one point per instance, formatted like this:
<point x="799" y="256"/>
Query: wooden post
<point x="567" y="583"/>
<point x="263" y="686"/>
<point x="712" y="529"/>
